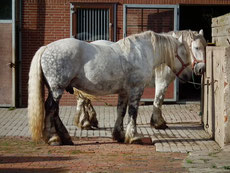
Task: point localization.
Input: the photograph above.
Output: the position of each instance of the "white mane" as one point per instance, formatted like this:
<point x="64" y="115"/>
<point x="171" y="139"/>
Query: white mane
<point x="164" y="45"/>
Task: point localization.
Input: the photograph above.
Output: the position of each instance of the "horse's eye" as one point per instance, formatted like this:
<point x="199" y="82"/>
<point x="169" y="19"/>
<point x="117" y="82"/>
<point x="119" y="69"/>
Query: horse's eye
<point x="197" y="48"/>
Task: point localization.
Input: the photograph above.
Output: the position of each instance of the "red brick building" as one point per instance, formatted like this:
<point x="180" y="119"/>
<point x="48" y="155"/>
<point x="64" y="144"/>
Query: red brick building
<point x="34" y="23"/>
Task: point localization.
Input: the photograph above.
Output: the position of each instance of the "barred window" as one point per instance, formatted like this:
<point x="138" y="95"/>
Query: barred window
<point x="92" y="22"/>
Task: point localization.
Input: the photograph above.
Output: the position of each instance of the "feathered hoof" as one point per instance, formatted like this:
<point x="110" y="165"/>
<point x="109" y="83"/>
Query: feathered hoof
<point x="137" y="139"/>
<point x="54" y="141"/>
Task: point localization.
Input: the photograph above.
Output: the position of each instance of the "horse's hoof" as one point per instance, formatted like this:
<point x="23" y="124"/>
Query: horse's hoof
<point x="134" y="140"/>
<point x="54" y="141"/>
<point x="161" y="127"/>
<point x="94" y="124"/>
<point x="69" y="142"/>
<point x="118" y="136"/>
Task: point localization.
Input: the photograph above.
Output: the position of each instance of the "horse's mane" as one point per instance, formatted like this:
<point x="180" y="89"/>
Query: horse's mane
<point x="164" y="45"/>
<point x="189" y="35"/>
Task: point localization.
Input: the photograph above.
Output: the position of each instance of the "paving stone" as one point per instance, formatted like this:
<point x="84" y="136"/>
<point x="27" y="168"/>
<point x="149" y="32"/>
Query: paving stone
<point x="185" y="132"/>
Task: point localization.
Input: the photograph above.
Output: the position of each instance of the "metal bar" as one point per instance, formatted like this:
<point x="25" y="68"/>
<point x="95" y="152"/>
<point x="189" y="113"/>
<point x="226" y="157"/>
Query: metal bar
<point x="71" y="19"/>
<point x="176" y="17"/>
<point x="81" y="22"/>
<point x="90" y="24"/>
<point x="104" y="22"/>
<point x="5" y="21"/>
<point x="107" y="25"/>
<point x="84" y="25"/>
<point x="99" y="26"/>
<point x="96" y="25"/>
<point x="93" y="26"/>
<point x="115" y="23"/>
<point x="125" y="6"/>
<point x="148" y="6"/>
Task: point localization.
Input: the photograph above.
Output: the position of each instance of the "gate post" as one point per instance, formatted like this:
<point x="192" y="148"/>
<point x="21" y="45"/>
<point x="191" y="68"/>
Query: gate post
<point x="216" y="115"/>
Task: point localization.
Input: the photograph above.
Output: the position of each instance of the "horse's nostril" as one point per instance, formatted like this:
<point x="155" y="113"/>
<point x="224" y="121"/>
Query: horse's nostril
<point x="201" y="70"/>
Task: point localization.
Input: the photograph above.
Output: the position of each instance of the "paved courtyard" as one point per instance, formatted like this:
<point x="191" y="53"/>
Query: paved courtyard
<point x="185" y="132"/>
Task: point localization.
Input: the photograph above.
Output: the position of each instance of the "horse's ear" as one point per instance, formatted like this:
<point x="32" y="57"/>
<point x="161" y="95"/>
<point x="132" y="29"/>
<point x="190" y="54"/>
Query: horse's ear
<point x="180" y="39"/>
<point x="201" y="32"/>
<point x="174" y="35"/>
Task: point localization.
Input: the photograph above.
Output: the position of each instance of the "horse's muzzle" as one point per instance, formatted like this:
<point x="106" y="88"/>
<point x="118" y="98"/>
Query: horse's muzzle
<point x="199" y="68"/>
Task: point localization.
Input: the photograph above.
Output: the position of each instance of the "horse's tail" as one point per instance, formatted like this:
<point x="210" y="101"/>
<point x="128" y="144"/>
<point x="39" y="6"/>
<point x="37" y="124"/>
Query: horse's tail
<point x="35" y="96"/>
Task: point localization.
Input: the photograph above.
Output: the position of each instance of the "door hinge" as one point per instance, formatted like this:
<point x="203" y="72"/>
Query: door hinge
<point x="11" y="65"/>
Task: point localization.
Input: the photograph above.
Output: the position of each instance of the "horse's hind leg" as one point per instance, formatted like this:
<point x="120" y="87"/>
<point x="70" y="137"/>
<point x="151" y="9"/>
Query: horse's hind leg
<point x="118" y="131"/>
<point x="54" y="132"/>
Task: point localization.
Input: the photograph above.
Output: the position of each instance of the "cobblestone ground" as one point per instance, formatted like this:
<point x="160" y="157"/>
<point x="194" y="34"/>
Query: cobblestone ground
<point x="94" y="151"/>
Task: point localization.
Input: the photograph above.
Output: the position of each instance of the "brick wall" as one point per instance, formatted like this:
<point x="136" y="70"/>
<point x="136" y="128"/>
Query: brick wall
<point x="44" y="21"/>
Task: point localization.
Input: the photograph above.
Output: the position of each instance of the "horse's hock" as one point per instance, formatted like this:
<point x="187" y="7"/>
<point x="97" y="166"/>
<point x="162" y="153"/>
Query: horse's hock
<point x="216" y="113"/>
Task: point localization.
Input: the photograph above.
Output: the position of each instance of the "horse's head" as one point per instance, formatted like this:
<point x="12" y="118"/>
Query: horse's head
<point x="195" y="44"/>
<point x="182" y="61"/>
<point x="197" y="53"/>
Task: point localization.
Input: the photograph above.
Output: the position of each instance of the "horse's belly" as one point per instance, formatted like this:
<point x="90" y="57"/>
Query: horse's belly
<point x="98" y="87"/>
<point x="102" y="78"/>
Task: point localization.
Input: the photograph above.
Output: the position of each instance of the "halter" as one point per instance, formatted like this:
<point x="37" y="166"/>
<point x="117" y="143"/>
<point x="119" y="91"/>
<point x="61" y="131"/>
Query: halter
<point x="195" y="61"/>
<point x="183" y="65"/>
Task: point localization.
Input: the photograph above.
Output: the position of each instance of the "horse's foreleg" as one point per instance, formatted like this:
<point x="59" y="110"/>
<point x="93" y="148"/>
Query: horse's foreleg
<point x="118" y="131"/>
<point x="54" y="132"/>
<point x="131" y="135"/>
<point x="157" y="119"/>
<point x="162" y="81"/>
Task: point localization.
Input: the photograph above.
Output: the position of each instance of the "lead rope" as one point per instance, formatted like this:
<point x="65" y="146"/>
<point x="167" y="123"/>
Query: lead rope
<point x="194" y="84"/>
